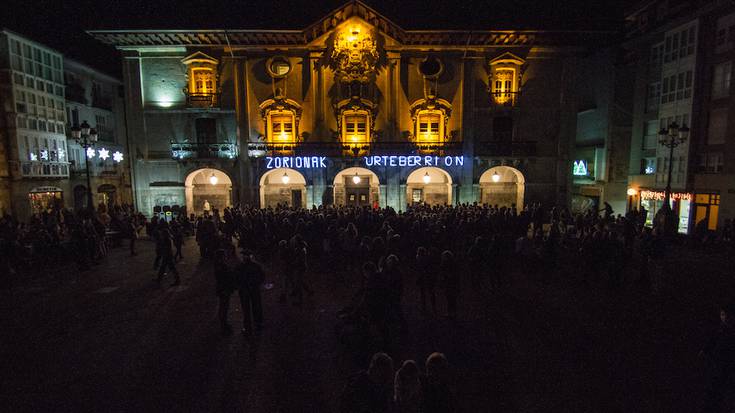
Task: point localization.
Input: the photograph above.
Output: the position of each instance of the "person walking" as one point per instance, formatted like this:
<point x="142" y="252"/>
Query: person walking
<point x="250" y="276"/>
<point x="164" y="247"/>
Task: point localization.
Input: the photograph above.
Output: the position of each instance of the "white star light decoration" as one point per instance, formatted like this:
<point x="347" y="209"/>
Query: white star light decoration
<point x="104" y="154"/>
<point x="90" y="152"/>
<point x="34" y="157"/>
<point x="117" y="156"/>
<point x="62" y="154"/>
<point x="44" y="155"/>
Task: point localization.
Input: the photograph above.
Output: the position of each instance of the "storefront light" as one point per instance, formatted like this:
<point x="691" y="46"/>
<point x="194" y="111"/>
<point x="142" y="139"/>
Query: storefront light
<point x="426" y="178"/>
<point x="213" y="179"/>
<point x="632" y="192"/>
<point x="356" y="179"/>
<point x="496" y="176"/>
<point x="285" y="178"/>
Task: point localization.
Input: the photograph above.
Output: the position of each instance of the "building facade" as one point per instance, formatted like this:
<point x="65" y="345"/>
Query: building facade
<point x="352" y="110"/>
<point x="34" y="163"/>
<point x="97" y="98"/>
<point x="681" y="55"/>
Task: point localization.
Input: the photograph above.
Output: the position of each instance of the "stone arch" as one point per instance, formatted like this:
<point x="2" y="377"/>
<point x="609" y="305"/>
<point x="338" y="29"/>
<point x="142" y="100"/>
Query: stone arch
<point x="284" y="186"/>
<point x="503" y="186"/>
<point x="360" y="192"/>
<point x="200" y="191"/>
<point x="430" y="185"/>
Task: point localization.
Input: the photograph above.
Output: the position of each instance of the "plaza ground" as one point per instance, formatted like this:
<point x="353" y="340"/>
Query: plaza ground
<point x="110" y="340"/>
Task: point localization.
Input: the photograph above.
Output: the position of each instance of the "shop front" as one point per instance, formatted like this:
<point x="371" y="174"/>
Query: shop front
<point x="43" y="198"/>
<point x="680" y="202"/>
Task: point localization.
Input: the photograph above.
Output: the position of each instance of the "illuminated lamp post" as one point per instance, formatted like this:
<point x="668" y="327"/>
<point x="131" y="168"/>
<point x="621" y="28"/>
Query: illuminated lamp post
<point x="86" y="137"/>
<point x="670" y="137"/>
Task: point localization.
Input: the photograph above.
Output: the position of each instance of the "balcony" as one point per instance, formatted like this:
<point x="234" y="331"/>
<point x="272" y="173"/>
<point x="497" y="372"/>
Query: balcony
<point x="202" y="100"/>
<point x="218" y="150"/>
<point x="102" y="101"/>
<point x="505" y="148"/>
<point x="338" y="149"/>
<point x="505" y="99"/>
<point x="31" y="169"/>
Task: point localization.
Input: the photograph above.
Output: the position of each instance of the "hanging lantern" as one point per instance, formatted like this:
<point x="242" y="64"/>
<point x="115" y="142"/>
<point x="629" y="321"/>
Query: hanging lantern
<point x="426" y="178"/>
<point x="285" y="178"/>
<point x="496" y="177"/>
<point x="213" y="179"/>
<point x="356" y="179"/>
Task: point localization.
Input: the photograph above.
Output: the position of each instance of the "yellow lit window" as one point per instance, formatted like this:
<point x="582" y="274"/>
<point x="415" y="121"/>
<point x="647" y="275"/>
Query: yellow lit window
<point x="282" y="127"/>
<point x="503" y="88"/>
<point x="203" y="82"/>
<point x="355" y="128"/>
<point x="429" y="125"/>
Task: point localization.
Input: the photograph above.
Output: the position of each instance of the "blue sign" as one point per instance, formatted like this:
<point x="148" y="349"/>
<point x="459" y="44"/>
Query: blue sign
<point x="414" y="160"/>
<point x="301" y="162"/>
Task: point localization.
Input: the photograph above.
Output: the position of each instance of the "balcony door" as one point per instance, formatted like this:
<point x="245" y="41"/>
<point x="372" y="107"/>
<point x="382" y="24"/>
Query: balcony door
<point x="206" y="130"/>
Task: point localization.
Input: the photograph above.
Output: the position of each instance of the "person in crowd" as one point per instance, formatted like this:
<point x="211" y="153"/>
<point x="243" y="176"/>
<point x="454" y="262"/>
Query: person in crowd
<point x="299" y="257"/>
<point x="407" y="389"/>
<point x="165" y="249"/>
<point x="226" y="264"/>
<point x="250" y="276"/>
<point x="286" y="270"/>
<point x="450" y="282"/>
<point x="720" y="352"/>
<point x="436" y="393"/>
<point x="370" y="391"/>
<point x="177" y="233"/>
<point x="426" y="279"/>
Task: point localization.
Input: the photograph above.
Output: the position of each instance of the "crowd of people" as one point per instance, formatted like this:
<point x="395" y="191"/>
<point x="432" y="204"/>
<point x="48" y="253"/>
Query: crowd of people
<point x="377" y="246"/>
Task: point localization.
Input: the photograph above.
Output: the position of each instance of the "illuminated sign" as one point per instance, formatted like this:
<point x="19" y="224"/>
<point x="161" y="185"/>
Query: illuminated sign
<point x="659" y="195"/>
<point x="414" y="160"/>
<point x="305" y="162"/>
<point x="580" y="168"/>
<point x="312" y="162"/>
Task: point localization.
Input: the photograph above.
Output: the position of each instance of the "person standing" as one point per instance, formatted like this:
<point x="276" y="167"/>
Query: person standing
<point x="299" y="256"/>
<point x="250" y="276"/>
<point x="165" y="249"/>
<point x="407" y="389"/>
<point x="370" y="391"/>
<point x="177" y="233"/>
<point x="720" y="351"/>
<point x="450" y="282"/>
<point x="225" y="265"/>
<point x="436" y="394"/>
<point x="426" y="279"/>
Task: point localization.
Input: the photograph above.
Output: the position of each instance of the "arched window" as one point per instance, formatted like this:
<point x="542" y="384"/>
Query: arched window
<point x="281" y="126"/>
<point x="429" y="126"/>
<point x="504" y="82"/>
<point x="355" y="127"/>
<point x="430" y="117"/>
<point x="201" y="88"/>
<point x="281" y="117"/>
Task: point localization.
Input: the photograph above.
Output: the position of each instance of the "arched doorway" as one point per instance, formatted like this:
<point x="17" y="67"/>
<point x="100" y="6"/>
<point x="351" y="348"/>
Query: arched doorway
<point x="80" y="197"/>
<point x="357" y="186"/>
<point x="282" y="186"/>
<point x="106" y="195"/>
<point x="429" y="185"/>
<point x="207" y="189"/>
<point x="503" y="186"/>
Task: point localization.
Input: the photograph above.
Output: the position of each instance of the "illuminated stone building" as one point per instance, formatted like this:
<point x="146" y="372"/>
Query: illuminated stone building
<point x="352" y="109"/>
<point x="34" y="167"/>
<point x="681" y="54"/>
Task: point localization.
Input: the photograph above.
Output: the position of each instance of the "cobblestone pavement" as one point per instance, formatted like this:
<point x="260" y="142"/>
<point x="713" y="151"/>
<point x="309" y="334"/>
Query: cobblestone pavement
<point x="110" y="340"/>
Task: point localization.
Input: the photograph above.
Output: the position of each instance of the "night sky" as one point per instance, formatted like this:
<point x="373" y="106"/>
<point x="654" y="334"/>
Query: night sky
<point x="61" y="24"/>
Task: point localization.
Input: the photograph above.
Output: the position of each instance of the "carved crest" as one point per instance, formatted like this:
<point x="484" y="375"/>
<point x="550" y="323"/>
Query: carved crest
<point x="353" y="55"/>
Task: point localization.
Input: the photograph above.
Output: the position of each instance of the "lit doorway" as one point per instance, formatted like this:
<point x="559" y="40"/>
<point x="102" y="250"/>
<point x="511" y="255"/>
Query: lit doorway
<point x="207" y="189"/>
<point x="503" y="186"/>
<point x="430" y="186"/>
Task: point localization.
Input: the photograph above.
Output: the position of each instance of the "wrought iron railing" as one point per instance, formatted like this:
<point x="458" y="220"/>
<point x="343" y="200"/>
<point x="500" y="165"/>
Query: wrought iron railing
<point x="202" y="100"/>
<point x="34" y="169"/>
<point x="505" y="99"/>
<point x="217" y="150"/>
<point x="500" y="148"/>
<point x="337" y="149"/>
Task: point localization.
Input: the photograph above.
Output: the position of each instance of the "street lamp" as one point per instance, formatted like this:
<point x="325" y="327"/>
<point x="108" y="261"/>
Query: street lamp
<point x="86" y="137"/>
<point x="670" y="137"/>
